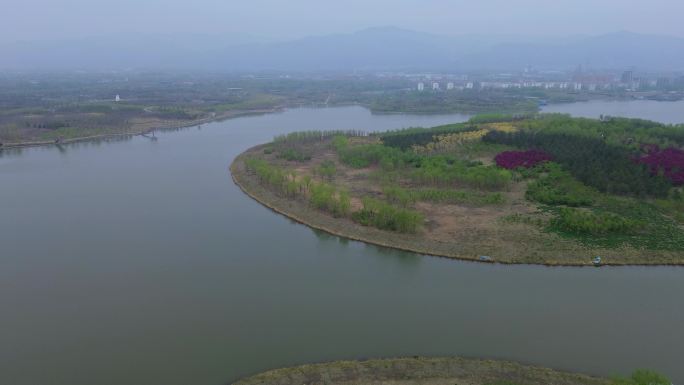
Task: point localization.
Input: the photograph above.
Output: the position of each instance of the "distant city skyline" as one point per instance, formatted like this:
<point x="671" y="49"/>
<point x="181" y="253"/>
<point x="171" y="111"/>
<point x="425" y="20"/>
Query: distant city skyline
<point x="39" y="20"/>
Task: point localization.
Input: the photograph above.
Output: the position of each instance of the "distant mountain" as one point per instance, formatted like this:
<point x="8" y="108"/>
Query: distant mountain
<point x="385" y="48"/>
<point x="371" y="49"/>
<point x="616" y="50"/>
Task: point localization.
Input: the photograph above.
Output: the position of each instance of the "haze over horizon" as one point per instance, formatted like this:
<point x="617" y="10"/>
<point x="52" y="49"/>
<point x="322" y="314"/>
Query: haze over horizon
<point x="268" y="20"/>
<point x="371" y="49"/>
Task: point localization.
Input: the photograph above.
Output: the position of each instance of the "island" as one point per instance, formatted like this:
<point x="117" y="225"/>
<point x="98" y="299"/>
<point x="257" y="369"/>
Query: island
<point x="534" y="189"/>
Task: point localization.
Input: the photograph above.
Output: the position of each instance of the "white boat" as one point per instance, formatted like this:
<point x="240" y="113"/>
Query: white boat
<point x="597" y="261"/>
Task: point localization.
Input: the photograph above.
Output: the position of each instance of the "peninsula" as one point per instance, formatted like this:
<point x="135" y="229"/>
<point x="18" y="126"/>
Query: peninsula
<point x="534" y="189"/>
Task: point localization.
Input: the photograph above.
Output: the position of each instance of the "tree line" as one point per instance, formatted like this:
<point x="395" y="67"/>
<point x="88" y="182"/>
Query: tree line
<point x="406" y="138"/>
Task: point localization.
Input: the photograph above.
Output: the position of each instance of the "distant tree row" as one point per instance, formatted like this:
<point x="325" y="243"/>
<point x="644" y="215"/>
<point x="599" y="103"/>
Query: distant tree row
<point x="498" y="118"/>
<point x="51" y="125"/>
<point x="406" y="138"/>
<point x="616" y="131"/>
<point x="314" y="136"/>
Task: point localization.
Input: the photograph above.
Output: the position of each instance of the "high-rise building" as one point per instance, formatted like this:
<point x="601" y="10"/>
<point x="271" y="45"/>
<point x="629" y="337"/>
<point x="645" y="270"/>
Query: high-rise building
<point x="627" y="77"/>
<point x="663" y="82"/>
<point x="421" y="86"/>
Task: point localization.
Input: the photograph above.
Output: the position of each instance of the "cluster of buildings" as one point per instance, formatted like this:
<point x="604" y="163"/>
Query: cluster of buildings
<point x="482" y="85"/>
<point x="627" y="81"/>
<point x="436" y="86"/>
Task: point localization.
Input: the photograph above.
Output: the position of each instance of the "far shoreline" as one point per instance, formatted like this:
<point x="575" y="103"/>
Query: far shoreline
<point x="218" y="118"/>
<point x="245" y="113"/>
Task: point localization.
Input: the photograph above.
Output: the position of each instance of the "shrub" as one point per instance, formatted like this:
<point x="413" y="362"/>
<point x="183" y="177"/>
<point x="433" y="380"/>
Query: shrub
<point x="398" y="195"/>
<point x="312" y="136"/>
<point x="365" y="155"/>
<point x="588" y="222"/>
<point x="327" y="169"/>
<point x="642" y="377"/>
<point x="447" y="171"/>
<point x="496" y="118"/>
<point x="340" y="142"/>
<point x="459" y="196"/>
<point x="673" y="206"/>
<point x="326" y="198"/>
<point x="558" y="187"/>
<point x="668" y="162"/>
<point x="405" y="197"/>
<point x="294" y="154"/>
<point x="387" y="217"/>
<point x="514" y="159"/>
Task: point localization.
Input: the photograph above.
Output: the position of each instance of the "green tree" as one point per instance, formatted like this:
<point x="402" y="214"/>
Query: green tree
<point x="642" y="377"/>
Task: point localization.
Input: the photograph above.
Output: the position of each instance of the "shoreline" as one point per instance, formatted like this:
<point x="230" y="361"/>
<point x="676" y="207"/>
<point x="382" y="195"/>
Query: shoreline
<point x="420" y="370"/>
<point x="302" y="214"/>
<point x="243" y="113"/>
<point x="218" y="118"/>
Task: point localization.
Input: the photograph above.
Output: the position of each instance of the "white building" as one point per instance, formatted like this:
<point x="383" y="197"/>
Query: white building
<point x="470" y="85"/>
<point x="435" y="86"/>
<point x="450" y="86"/>
<point x="117" y="98"/>
<point x="421" y="86"/>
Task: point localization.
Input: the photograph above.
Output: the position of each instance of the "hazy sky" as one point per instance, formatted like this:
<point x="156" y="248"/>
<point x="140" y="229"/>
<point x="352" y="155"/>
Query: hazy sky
<point x="60" y="19"/>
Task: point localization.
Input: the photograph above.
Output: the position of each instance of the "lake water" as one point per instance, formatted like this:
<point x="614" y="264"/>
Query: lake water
<point x="140" y="262"/>
<point x="664" y="112"/>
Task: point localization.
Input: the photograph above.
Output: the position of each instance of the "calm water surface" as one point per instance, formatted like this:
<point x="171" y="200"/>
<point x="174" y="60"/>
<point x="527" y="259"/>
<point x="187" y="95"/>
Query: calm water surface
<point x="139" y="262"/>
<point x="664" y="112"/>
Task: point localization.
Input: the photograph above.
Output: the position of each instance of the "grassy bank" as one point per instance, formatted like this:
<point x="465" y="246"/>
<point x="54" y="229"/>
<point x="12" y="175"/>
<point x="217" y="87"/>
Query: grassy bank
<point x="426" y="371"/>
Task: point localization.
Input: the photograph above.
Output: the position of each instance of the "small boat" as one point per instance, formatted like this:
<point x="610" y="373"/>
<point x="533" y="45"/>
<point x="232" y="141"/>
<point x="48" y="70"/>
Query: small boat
<point x="596" y="261"/>
<point x="485" y="258"/>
